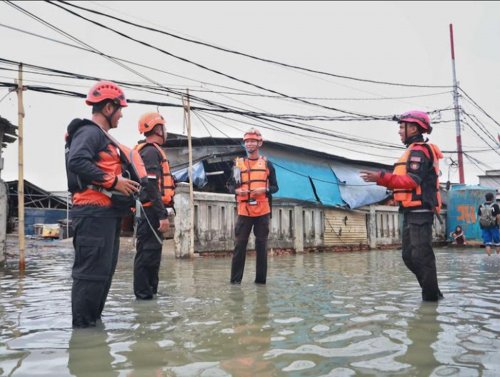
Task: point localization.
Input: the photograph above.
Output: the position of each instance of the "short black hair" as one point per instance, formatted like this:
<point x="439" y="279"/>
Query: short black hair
<point x="152" y="130"/>
<point x="97" y="107"/>
<point x="489" y="196"/>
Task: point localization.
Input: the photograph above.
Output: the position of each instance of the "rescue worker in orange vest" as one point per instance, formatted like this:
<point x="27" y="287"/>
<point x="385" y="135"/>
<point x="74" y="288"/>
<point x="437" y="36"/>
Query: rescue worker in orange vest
<point x="415" y="185"/>
<point x="94" y="170"/>
<point x="253" y="182"/>
<point x="157" y="201"/>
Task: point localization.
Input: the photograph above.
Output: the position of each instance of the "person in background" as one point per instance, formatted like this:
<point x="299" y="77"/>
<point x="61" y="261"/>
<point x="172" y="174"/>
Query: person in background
<point x="158" y="202"/>
<point x="488" y="215"/>
<point x="415" y="184"/>
<point x="94" y="171"/>
<point x="253" y="181"/>
<point x="458" y="236"/>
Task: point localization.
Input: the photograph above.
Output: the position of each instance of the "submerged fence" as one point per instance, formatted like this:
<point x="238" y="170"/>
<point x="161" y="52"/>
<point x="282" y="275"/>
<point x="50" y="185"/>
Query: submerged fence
<point x="295" y="226"/>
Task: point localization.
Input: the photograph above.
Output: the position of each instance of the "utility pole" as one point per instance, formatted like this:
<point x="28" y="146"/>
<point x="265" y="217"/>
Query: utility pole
<point x="457" y="111"/>
<point x="20" y="180"/>
<point x="187" y="123"/>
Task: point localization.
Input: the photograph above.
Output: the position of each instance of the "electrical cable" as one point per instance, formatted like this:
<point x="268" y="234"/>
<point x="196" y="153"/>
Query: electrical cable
<point x="211" y="69"/>
<point x="244" y="54"/>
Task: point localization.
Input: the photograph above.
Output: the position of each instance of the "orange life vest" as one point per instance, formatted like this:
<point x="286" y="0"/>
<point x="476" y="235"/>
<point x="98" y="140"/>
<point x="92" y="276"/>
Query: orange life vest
<point x="413" y="198"/>
<point x="166" y="183"/>
<point x="115" y="160"/>
<point x="254" y="174"/>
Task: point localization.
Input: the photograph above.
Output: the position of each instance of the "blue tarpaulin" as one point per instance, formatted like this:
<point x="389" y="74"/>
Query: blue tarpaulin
<point x="303" y="180"/>
<point x="199" y="176"/>
<point x="354" y="191"/>
<point x="329" y="183"/>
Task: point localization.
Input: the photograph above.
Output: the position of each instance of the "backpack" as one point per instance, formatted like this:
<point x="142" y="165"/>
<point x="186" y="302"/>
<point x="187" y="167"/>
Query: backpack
<point x="486" y="218"/>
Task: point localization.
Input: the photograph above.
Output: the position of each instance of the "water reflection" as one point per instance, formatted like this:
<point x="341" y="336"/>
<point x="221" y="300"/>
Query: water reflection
<point x="422" y="333"/>
<point x="90" y="354"/>
<point x="319" y="315"/>
<point x="252" y="333"/>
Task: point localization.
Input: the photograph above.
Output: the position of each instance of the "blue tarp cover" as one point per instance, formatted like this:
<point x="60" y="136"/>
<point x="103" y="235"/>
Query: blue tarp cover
<point x="356" y="192"/>
<point x="298" y="180"/>
<point x="199" y="176"/>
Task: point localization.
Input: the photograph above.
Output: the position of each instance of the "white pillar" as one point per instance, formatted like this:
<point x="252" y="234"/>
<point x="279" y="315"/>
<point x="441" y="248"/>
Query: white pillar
<point x="183" y="226"/>
<point x="298" y="228"/>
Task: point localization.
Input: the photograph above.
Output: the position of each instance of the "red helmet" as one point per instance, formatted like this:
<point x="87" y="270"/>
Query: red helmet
<point x="419" y="117"/>
<point x="106" y="90"/>
<point x="148" y="121"/>
<point x="252" y="134"/>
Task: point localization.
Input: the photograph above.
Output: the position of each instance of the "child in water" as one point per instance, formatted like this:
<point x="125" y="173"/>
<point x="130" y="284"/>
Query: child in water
<point x="458" y="236"/>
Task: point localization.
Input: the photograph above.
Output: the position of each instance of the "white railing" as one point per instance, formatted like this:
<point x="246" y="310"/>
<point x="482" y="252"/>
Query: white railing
<point x="293" y="226"/>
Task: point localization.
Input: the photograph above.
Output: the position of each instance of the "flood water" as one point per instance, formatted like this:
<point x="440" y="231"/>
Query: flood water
<point x="323" y="314"/>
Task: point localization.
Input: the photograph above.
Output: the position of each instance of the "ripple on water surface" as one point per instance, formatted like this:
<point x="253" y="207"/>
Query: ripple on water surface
<point x="326" y="314"/>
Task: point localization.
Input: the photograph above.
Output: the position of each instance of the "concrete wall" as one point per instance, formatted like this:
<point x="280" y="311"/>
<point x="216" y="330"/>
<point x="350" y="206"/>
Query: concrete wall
<point x="3" y="220"/>
<point x="295" y="227"/>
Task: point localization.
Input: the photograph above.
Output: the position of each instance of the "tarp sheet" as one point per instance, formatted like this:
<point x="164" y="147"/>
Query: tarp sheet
<point x="354" y="191"/>
<point x="199" y="176"/>
<point x="302" y="180"/>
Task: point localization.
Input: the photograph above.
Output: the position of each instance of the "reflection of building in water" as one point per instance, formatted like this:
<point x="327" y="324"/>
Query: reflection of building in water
<point x="423" y="332"/>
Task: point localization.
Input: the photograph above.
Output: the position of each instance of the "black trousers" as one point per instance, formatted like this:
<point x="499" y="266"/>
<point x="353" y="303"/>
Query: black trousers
<point x="418" y="255"/>
<point x="242" y="231"/>
<point x="148" y="257"/>
<point x="97" y="242"/>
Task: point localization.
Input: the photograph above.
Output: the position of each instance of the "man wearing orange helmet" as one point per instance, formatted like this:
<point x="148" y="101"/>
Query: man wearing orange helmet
<point x="94" y="171"/>
<point x="415" y="183"/>
<point x="253" y="181"/>
<point x="158" y="199"/>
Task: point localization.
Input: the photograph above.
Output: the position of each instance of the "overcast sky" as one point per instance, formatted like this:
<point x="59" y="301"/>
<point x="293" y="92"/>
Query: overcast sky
<point x="395" y="42"/>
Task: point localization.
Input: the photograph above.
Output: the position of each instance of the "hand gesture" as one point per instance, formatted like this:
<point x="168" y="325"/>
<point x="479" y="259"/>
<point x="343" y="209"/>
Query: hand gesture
<point x="164" y="225"/>
<point x="126" y="186"/>
<point x="260" y="190"/>
<point x="369" y="176"/>
<point x="241" y="192"/>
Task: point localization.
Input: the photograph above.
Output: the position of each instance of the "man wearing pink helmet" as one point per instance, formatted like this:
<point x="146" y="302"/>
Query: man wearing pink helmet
<point x="415" y="184"/>
<point x="100" y="196"/>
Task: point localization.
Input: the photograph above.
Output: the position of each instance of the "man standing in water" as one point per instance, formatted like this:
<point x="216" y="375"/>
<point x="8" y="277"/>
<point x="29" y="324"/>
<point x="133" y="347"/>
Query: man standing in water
<point x="416" y="187"/>
<point x="488" y="216"/>
<point x="94" y="170"/>
<point x="158" y="198"/>
<point x="253" y="182"/>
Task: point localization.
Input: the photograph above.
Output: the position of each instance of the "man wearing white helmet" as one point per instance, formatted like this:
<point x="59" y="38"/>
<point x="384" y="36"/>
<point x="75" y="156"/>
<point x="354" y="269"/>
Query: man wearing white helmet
<point x="415" y="184"/>
<point x="253" y="183"/>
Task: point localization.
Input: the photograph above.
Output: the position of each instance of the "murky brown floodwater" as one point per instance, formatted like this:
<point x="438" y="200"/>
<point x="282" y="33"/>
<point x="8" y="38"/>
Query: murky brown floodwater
<point x="348" y="314"/>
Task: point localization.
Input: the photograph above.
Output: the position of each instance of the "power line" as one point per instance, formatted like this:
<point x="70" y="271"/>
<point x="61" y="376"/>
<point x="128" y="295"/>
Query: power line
<point x="244" y="54"/>
<point x="479" y="107"/>
<point x="214" y="70"/>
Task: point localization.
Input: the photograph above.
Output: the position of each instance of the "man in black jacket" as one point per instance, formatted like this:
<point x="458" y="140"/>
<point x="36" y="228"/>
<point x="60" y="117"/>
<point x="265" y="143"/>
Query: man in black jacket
<point x="94" y="170"/>
<point x="158" y="201"/>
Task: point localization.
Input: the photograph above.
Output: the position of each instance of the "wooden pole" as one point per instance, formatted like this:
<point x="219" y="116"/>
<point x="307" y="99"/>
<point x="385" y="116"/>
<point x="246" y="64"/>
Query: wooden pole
<point x="20" y="181"/>
<point x="187" y="122"/>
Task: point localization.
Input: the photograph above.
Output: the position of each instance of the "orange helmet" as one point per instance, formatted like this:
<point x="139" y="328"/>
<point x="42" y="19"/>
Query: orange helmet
<point x="106" y="90"/>
<point x="252" y="134"/>
<point x="148" y="121"/>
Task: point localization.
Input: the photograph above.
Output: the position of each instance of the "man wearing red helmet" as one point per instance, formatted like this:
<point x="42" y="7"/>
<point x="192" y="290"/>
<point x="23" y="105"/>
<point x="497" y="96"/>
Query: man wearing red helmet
<point x="101" y="196"/>
<point x="253" y="181"/>
<point x="415" y="184"/>
<point x="158" y="200"/>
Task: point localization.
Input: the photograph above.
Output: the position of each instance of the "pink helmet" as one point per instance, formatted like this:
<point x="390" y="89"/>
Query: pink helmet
<point x="416" y="116"/>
